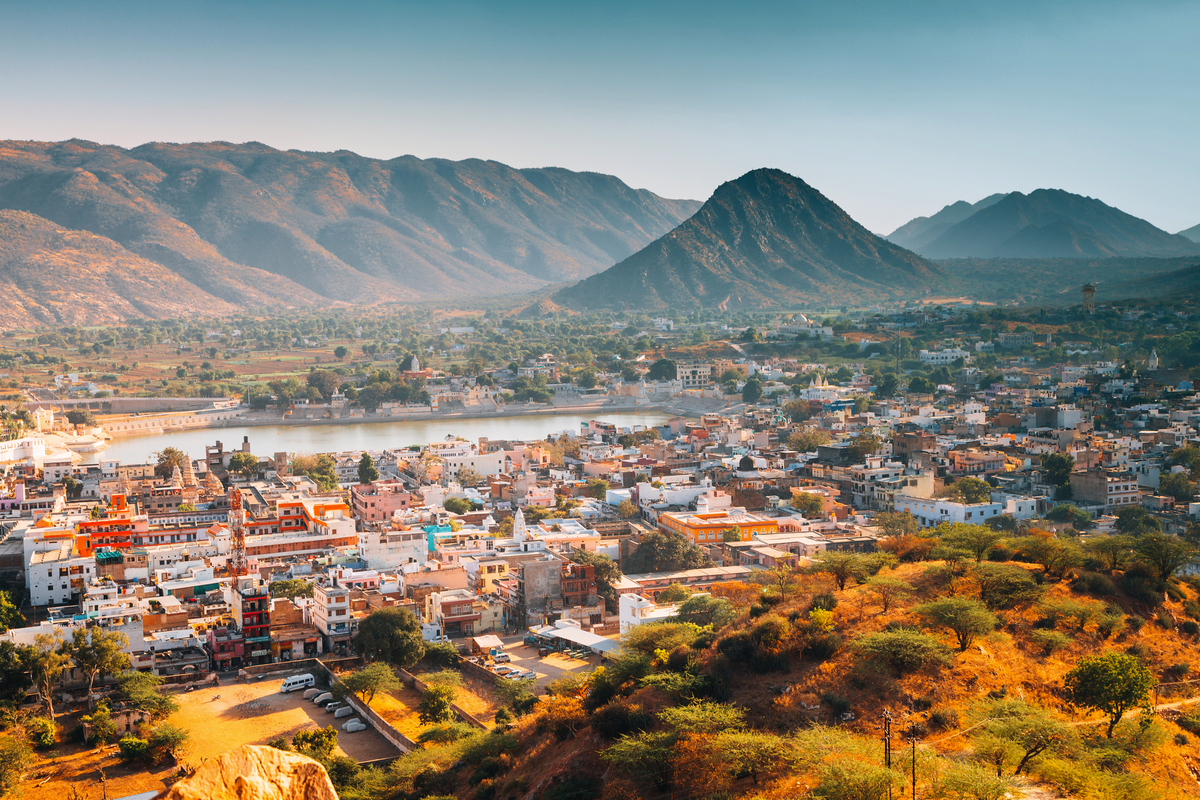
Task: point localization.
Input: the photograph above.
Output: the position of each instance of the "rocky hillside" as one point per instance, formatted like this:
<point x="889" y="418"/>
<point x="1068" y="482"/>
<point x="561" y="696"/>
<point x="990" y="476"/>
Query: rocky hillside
<point x="774" y="689"/>
<point x="1192" y="233"/>
<point x="1047" y="223"/>
<point x="57" y="276"/>
<point x="259" y="227"/>
<point x="765" y="239"/>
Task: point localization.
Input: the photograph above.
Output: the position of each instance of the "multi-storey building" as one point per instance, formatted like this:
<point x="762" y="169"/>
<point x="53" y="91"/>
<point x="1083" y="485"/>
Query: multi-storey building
<point x="331" y="616"/>
<point x="709" y="528"/>
<point x="377" y="502"/>
<point x="1111" y="489"/>
<point x="251" y="607"/>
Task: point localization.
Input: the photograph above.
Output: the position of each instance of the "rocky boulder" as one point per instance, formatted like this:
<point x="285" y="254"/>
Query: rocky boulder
<point x="254" y="772"/>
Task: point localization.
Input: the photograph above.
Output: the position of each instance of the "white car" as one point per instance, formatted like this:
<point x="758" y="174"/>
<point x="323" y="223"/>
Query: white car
<point x="309" y="694"/>
<point x="354" y="726"/>
<point x="520" y="675"/>
<point x="323" y="697"/>
<point x="502" y="671"/>
<point x="344" y="711"/>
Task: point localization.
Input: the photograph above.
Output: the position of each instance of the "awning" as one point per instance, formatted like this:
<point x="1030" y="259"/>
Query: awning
<point x="487" y="642"/>
<point x="594" y="642"/>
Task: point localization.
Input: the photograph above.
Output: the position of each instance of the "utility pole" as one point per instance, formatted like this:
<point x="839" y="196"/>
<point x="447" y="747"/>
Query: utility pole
<point x="912" y="738"/>
<point x="887" y="744"/>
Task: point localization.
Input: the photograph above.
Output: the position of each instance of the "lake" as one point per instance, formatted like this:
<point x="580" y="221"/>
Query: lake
<point x="266" y="440"/>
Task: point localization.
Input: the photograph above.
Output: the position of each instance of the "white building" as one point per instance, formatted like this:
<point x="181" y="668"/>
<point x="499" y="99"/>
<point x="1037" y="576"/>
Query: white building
<point x="390" y="549"/>
<point x="638" y="610"/>
<point x="943" y="357"/>
<point x="931" y="512"/>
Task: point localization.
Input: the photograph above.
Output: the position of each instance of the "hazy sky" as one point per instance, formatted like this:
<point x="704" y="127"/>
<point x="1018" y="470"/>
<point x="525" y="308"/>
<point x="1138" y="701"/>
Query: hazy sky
<point x="891" y="108"/>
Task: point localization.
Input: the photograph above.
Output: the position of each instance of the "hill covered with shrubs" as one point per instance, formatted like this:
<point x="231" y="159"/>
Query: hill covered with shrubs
<point x="1022" y="663"/>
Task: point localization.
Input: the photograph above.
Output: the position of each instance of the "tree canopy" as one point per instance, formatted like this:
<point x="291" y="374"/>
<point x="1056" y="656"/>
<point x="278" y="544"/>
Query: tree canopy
<point x="665" y="552"/>
<point x="392" y="635"/>
<point x="1112" y="683"/>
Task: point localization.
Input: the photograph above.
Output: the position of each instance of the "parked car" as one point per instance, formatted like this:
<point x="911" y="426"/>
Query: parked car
<point x="502" y="658"/>
<point x="309" y="694"/>
<point x="503" y="670"/>
<point x="354" y="726"/>
<point x="323" y="698"/>
<point x="334" y="706"/>
<point x="343" y="711"/>
<point x="521" y="675"/>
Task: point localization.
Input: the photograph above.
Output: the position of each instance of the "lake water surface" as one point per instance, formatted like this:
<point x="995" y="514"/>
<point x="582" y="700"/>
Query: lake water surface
<point x="266" y="440"/>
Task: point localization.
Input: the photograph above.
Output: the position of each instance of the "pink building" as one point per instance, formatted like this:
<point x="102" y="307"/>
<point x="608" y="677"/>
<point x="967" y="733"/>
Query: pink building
<point x="377" y="502"/>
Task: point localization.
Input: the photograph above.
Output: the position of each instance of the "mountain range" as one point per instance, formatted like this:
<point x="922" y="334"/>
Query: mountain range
<point x="1046" y="223"/>
<point x="221" y="226"/>
<point x="765" y="239"/>
<point x="1192" y="233"/>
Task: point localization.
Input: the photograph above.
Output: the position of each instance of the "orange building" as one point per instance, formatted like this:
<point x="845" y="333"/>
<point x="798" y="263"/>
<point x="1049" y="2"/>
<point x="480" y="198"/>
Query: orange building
<point x="709" y="527"/>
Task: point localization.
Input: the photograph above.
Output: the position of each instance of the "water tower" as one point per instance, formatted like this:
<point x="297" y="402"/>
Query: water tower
<point x="1089" y="298"/>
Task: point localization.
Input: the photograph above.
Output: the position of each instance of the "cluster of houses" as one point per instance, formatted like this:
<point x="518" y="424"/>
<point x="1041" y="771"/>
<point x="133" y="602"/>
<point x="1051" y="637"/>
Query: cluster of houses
<point x="489" y="537"/>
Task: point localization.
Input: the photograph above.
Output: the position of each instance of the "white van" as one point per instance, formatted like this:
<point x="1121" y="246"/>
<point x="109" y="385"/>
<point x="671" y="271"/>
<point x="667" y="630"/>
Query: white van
<point x="298" y="682"/>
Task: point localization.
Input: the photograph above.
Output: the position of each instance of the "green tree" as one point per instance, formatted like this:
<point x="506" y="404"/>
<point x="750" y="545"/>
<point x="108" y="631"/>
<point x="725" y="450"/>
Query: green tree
<point x="864" y="444"/>
<point x="340" y="352"/>
<point x="674" y="593"/>
<point x="892" y="523"/>
<point x="392" y="635"/>
<point x="752" y="389"/>
<point x="1075" y="516"/>
<point x="99" y="725"/>
<point x="81" y="417"/>
<point x="15" y="677"/>
<point x="435" y="705"/>
<point x="367" y="473"/>
<point x="919" y="384"/>
<point x="809" y="504"/>
<point x="1112" y="683"/>
<point x="46" y="662"/>
<point x="316" y="744"/>
<point x="245" y="463"/>
<point x="10" y="617"/>
<point x="16" y="756"/>
<point x="704" y="717"/>
<point x="597" y="488"/>
<point x="899" y="650"/>
<point x="808" y="440"/>
<point x="731" y="534"/>
<point x="1057" y="469"/>
<point x="663" y="370"/>
<point x="291" y="588"/>
<point x="1176" y="485"/>
<point x="1187" y="457"/>
<point x="1134" y="520"/>
<point x="371" y="680"/>
<point x="627" y="509"/>
<point x="167" y="740"/>
<point x="888" y="591"/>
<point x="966" y="619"/>
<point x="98" y="652"/>
<point x="978" y="540"/>
<point x="971" y="490"/>
<point x="1164" y="554"/>
<point x="1115" y="552"/>
<point x="705" y="610"/>
<point x="665" y="552"/>
<point x="168" y="459"/>
<point x="842" y="566"/>
<point x="321" y="468"/>
<point x="141" y="691"/>
<point x="888" y="385"/>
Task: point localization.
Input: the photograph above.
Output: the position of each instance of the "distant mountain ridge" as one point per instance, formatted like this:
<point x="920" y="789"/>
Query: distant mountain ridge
<point x="764" y="240"/>
<point x="255" y="227"/>
<point x="919" y="232"/>
<point x="1046" y="223"/>
<point x="1192" y="233"/>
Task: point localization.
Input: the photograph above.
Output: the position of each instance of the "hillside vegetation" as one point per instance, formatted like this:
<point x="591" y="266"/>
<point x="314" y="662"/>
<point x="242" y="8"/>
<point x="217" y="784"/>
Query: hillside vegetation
<point x="1018" y="661"/>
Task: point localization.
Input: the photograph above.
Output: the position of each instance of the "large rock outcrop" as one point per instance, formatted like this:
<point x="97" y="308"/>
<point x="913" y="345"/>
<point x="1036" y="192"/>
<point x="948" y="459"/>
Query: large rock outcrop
<point x="254" y="772"/>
